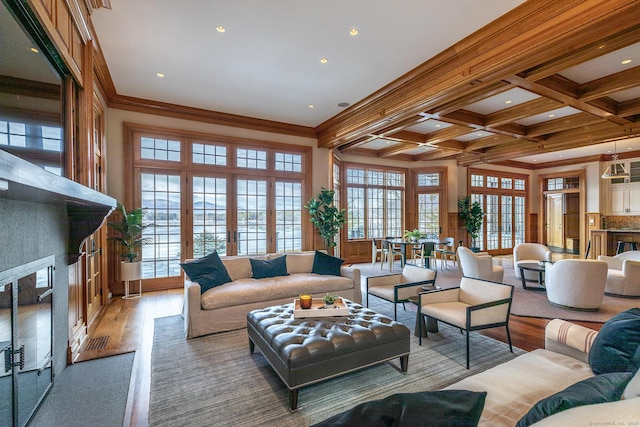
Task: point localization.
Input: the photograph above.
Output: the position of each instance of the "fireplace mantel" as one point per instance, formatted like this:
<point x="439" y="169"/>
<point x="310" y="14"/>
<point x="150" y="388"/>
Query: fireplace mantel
<point x="86" y="208"/>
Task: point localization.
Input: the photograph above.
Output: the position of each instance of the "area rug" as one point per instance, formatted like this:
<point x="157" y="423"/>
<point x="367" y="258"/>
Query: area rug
<point x="529" y="303"/>
<point x="214" y="380"/>
<point x="91" y="393"/>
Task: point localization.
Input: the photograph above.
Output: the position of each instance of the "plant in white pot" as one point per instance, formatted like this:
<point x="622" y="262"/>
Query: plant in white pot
<point x="129" y="235"/>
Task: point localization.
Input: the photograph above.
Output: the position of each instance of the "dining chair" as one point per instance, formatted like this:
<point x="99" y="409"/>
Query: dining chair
<point x="424" y="252"/>
<point x="445" y="250"/>
<point x="375" y="251"/>
<point x="389" y="253"/>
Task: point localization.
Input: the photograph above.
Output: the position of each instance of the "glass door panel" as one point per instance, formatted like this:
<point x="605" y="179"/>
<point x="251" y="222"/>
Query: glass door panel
<point x="161" y="201"/>
<point x="6" y="383"/>
<point x="209" y="216"/>
<point x="507" y="222"/>
<point x="429" y="214"/>
<point x="288" y="221"/>
<point x="251" y="236"/>
<point x="493" y="222"/>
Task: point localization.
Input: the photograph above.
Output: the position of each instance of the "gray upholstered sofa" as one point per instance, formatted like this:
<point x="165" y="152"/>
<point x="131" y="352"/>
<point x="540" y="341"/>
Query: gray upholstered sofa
<point x="225" y="307"/>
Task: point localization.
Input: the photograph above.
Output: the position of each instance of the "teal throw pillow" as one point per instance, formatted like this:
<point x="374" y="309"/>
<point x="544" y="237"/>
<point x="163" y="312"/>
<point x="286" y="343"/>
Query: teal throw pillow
<point x="326" y="264"/>
<point x="269" y="268"/>
<point x="598" y="389"/>
<point x="208" y="271"/>
<point x="616" y="348"/>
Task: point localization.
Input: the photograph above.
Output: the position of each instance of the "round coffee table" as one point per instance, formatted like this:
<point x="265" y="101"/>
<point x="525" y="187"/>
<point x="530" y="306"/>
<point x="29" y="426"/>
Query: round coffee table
<point x="532" y="266"/>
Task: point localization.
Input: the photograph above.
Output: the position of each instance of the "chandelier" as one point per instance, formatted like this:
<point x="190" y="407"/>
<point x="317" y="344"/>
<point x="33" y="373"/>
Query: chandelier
<point x="615" y="169"/>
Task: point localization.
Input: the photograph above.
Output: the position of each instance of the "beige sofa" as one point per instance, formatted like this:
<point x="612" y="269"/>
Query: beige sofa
<point x="225" y="307"/>
<point x="515" y="386"/>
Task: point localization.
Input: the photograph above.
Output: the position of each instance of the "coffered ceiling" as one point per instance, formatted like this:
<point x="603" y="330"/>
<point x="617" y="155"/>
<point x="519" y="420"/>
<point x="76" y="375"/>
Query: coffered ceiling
<point x="546" y="81"/>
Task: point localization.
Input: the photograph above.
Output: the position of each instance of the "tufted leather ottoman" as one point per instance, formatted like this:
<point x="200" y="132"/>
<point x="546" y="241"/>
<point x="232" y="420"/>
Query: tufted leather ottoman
<point x="309" y="350"/>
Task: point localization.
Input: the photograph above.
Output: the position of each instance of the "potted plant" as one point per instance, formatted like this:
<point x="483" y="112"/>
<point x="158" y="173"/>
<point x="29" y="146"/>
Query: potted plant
<point x="129" y="235"/>
<point x="413" y="235"/>
<point x="326" y="218"/>
<point x="472" y="215"/>
<point x="329" y="300"/>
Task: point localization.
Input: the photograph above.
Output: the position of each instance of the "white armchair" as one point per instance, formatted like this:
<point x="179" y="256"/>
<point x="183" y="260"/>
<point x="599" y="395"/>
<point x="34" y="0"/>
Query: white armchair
<point x="576" y="283"/>
<point x="476" y="304"/>
<point x="479" y="265"/>
<point x="398" y="288"/>
<point x="529" y="252"/>
<point x="623" y="275"/>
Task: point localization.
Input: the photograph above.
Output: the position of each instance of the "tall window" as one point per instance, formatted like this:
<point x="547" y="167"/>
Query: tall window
<point x="430" y="193"/>
<point x="222" y="194"/>
<point x="375" y="202"/>
<point x="504" y="199"/>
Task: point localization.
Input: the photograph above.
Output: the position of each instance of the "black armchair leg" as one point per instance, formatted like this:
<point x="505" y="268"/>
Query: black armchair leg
<point x="467" y="349"/>
<point x="509" y="338"/>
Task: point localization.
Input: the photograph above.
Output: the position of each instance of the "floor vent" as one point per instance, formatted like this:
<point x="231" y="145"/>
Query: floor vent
<point x="97" y="343"/>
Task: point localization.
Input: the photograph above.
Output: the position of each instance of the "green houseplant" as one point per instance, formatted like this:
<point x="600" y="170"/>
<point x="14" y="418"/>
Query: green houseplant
<point x="329" y="299"/>
<point x="129" y="230"/>
<point x="472" y="215"/>
<point x="326" y="218"/>
<point x="413" y="235"/>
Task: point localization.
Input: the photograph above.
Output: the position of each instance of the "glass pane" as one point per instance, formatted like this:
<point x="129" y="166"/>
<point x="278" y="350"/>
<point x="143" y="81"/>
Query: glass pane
<point x="288" y="162"/>
<point x="394" y="213"/>
<point x="209" y="154"/>
<point x="209" y="216"/>
<point x="252" y="217"/>
<point x="493" y="222"/>
<point x="159" y="149"/>
<point x="477" y="181"/>
<point x="428" y="179"/>
<point x="429" y="214"/>
<point x="355" y="176"/>
<point x="507" y="222"/>
<point x="288" y="216"/>
<point x="161" y="201"/>
<point x="375" y="210"/>
<point x="519" y="225"/>
<point x="251" y="159"/>
<point x="356" y="213"/>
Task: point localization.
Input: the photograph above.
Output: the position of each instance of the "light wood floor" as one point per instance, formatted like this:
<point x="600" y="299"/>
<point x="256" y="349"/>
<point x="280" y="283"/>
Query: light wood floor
<point x="129" y="326"/>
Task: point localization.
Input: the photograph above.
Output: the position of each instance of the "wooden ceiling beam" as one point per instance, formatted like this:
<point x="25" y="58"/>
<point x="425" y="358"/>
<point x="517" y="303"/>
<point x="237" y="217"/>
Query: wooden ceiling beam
<point x="563" y="123"/>
<point x="607" y="85"/>
<point x="572" y="101"/>
<point x="396" y="149"/>
<point x="530" y="108"/>
<point x="490" y="141"/>
<point x="589" y="52"/>
<point x="489" y="90"/>
<point x="447" y="133"/>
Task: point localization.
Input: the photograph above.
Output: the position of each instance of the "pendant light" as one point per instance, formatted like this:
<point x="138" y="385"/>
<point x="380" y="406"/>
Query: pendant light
<point x="615" y="169"/>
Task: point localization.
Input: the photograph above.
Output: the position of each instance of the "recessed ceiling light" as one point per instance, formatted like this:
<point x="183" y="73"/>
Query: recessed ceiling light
<point x="479" y="134"/>
<point x="160" y="75"/>
<point x="34" y="50"/>
<point x="343" y="104"/>
<point x="354" y="32"/>
<point x="437" y="126"/>
<point x="311" y="106"/>
<point x="220" y="29"/>
<point x="552" y="115"/>
<point x="626" y="61"/>
<point x="508" y="101"/>
<point x="324" y="60"/>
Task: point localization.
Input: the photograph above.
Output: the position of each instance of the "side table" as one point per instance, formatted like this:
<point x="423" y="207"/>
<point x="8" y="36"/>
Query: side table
<point x="431" y="325"/>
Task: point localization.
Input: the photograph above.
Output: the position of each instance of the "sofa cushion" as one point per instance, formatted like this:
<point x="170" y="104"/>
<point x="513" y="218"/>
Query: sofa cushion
<point x="263" y="269"/>
<point x="326" y="264"/>
<point x="598" y="389"/>
<point x="632" y="390"/>
<point x="300" y="262"/>
<point x="616" y="348"/>
<point x="427" y="408"/>
<point x="208" y="271"/>
<point x="618" y="413"/>
<point x="239" y="267"/>
<point x="248" y="291"/>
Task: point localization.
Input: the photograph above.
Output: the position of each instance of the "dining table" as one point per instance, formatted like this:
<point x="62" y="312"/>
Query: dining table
<point x="403" y="244"/>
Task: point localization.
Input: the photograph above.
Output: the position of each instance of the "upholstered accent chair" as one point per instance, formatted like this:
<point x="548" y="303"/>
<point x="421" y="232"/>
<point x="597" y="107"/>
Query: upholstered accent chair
<point x="529" y="252"/>
<point x="479" y="265"/>
<point x="398" y="288"/>
<point x="576" y="283"/>
<point x="623" y="275"/>
<point x="476" y="304"/>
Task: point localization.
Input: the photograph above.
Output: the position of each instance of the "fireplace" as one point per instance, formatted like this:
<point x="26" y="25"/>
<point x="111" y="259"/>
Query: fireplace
<point x="44" y="220"/>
